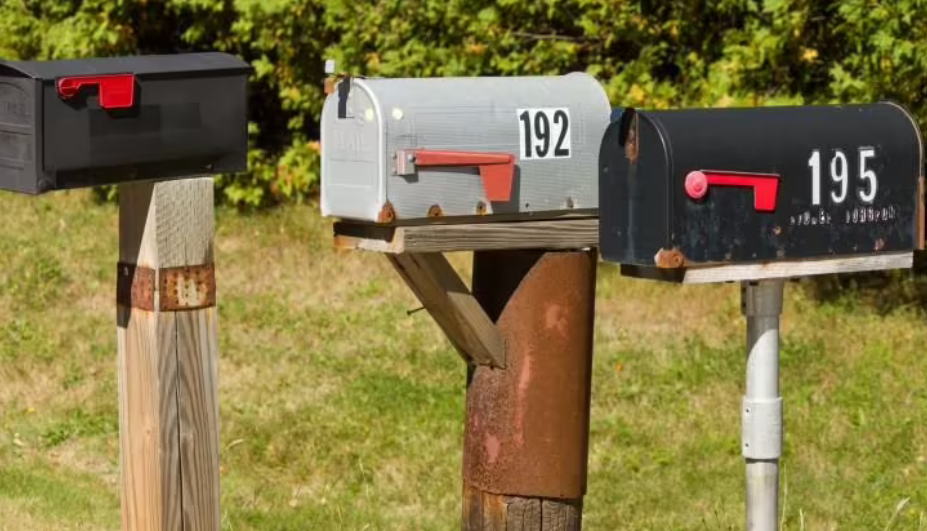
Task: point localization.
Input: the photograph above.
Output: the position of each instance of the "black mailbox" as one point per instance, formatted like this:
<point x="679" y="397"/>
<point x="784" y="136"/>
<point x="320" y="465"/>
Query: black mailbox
<point x="67" y="124"/>
<point x="707" y="187"/>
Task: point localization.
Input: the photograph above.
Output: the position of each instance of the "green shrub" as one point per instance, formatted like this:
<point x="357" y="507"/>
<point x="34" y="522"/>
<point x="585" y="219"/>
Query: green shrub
<point x="647" y="53"/>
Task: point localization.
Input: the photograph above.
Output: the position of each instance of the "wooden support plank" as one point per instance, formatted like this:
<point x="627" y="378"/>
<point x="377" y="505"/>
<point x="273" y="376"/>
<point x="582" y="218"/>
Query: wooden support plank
<point x="453" y="307"/>
<point x="774" y="270"/>
<point x="168" y="393"/>
<point x="568" y="233"/>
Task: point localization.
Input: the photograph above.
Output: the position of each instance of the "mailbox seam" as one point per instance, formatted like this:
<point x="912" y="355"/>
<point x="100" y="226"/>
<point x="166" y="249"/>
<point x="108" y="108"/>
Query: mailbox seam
<point x="670" y="174"/>
<point x="381" y="143"/>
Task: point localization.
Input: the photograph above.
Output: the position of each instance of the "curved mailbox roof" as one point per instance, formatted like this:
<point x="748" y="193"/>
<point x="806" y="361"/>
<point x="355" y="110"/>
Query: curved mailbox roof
<point x="212" y="62"/>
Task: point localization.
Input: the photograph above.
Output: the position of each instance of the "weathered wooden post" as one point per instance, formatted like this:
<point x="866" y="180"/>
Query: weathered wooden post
<point x="133" y="120"/>
<point x="168" y="356"/>
<point x="757" y="196"/>
<point x="504" y="167"/>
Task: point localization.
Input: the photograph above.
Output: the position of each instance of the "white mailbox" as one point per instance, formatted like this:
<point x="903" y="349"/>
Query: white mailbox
<point x="399" y="150"/>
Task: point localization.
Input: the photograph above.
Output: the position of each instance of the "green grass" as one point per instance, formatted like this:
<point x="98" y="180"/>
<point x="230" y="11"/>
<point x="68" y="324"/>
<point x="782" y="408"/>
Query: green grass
<point x="340" y="411"/>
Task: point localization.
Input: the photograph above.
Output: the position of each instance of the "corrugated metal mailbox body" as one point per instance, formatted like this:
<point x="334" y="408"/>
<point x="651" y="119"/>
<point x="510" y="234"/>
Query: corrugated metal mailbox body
<point x="65" y="124"/>
<point x="395" y="150"/>
<point x="720" y="186"/>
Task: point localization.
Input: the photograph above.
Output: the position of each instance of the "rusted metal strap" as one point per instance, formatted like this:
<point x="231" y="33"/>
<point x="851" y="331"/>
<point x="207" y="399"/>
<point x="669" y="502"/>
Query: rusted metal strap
<point x="178" y="288"/>
<point x="527" y="431"/>
<point x="135" y="287"/>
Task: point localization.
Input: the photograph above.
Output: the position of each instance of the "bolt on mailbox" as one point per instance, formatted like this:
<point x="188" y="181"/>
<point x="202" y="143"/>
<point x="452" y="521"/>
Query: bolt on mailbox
<point x="67" y="124"/>
<point x="398" y="150"/>
<point x="704" y="188"/>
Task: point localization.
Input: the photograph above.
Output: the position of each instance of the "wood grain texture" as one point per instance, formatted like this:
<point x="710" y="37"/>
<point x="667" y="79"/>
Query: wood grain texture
<point x="198" y="412"/>
<point x="441" y="291"/>
<point x="484" y="511"/>
<point x="572" y="233"/>
<point x="774" y="270"/>
<point x="168" y="401"/>
<point x="167" y="224"/>
<point x="148" y="421"/>
<point x="557" y="515"/>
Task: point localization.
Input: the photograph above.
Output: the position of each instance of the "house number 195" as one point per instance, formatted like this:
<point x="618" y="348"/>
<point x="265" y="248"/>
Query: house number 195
<point x="840" y="176"/>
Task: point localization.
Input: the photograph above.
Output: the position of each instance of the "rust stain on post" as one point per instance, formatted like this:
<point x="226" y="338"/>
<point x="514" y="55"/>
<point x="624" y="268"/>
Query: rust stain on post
<point x="178" y="288"/>
<point x="527" y="426"/>
<point x="188" y="288"/>
<point x="135" y="286"/>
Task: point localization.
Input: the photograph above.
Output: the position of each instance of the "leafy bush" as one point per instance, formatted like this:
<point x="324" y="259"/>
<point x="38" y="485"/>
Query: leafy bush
<point x="649" y="53"/>
<point x="283" y="40"/>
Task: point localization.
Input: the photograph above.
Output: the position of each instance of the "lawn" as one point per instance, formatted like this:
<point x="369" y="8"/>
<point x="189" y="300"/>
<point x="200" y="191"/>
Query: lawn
<point x="341" y="411"/>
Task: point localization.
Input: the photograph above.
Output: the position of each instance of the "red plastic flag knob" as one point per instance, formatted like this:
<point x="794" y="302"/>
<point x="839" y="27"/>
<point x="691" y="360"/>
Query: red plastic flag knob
<point x="696" y="184"/>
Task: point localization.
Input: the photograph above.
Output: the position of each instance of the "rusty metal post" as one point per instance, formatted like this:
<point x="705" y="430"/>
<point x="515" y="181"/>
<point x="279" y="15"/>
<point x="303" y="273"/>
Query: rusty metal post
<point x="527" y="434"/>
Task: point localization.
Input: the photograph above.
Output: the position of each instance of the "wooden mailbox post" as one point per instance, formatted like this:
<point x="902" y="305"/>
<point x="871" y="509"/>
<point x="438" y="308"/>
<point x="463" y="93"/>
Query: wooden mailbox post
<point x="506" y="168"/>
<point x="757" y="196"/>
<point x="132" y="121"/>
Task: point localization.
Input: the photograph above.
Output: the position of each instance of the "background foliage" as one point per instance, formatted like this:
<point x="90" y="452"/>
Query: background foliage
<point x="647" y="53"/>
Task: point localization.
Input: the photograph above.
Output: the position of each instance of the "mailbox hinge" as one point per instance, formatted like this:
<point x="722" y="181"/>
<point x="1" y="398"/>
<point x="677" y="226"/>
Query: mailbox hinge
<point x="496" y="169"/>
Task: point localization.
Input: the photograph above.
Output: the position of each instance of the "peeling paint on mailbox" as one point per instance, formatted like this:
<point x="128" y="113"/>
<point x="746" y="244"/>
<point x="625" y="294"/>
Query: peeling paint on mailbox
<point x="722" y="186"/>
<point x="463" y="147"/>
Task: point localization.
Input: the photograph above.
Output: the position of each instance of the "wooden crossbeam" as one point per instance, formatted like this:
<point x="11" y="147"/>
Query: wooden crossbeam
<point x="773" y="270"/>
<point x="453" y="307"/>
<point x="567" y="233"/>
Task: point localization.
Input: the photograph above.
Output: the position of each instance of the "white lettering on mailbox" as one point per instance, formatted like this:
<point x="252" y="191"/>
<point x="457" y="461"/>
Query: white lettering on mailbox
<point x="840" y="173"/>
<point x="544" y="134"/>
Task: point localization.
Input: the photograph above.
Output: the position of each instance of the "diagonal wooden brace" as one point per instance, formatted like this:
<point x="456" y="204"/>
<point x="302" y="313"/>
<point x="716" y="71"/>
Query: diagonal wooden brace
<point x="453" y="307"/>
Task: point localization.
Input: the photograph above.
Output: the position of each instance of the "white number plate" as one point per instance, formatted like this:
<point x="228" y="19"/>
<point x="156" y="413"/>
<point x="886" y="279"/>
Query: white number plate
<point x="544" y="134"/>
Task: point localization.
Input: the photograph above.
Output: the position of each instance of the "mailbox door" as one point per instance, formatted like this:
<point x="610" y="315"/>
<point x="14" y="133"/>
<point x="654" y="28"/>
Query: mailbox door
<point x="634" y="184"/>
<point x="352" y="155"/>
<point x="848" y="182"/>
<point x="18" y="144"/>
<point x="197" y="120"/>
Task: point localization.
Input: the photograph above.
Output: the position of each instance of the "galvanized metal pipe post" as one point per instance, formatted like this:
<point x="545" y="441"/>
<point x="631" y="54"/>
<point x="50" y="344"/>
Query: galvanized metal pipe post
<point x="527" y="433"/>
<point x="762" y="405"/>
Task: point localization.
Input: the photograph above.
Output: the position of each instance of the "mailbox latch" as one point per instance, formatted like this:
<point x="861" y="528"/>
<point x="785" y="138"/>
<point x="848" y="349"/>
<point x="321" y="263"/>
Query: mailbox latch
<point x="117" y="91"/>
<point x="765" y="185"/>
<point x="496" y="169"/>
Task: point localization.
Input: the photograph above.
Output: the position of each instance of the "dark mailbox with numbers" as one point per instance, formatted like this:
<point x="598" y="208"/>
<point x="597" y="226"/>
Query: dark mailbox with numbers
<point x="66" y="124"/>
<point x="703" y="187"/>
